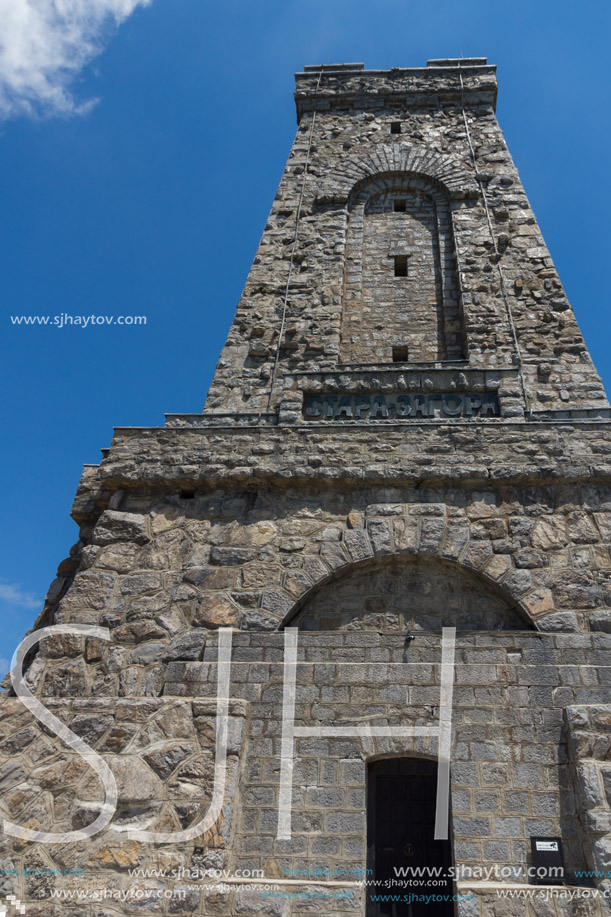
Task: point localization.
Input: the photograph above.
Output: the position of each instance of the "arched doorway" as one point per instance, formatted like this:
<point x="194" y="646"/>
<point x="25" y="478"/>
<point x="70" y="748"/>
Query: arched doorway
<point x="407" y="864"/>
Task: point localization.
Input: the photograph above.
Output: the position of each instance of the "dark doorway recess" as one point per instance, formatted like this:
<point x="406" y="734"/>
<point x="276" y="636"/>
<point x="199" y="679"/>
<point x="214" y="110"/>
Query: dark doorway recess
<point x="401" y="798"/>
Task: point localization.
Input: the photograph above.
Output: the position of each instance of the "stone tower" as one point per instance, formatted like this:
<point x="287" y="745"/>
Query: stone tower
<point x="382" y="551"/>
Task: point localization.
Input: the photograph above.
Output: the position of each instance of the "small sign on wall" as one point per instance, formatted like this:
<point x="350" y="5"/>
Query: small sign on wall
<point x="547" y="860"/>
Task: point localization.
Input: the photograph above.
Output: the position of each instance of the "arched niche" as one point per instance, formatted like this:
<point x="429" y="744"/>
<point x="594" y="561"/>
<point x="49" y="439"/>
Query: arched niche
<point x="408" y="592"/>
<point x="401" y="300"/>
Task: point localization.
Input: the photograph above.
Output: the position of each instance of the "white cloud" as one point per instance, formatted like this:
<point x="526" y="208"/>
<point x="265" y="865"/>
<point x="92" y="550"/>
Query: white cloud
<point x="14" y="595"/>
<point x="4" y="667"/>
<point x="44" y="44"/>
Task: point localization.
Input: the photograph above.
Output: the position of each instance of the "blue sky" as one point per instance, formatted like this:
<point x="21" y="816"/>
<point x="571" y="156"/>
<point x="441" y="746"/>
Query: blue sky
<point x="138" y="181"/>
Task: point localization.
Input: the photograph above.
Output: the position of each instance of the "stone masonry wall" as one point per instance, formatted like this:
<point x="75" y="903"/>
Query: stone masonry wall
<point x="161" y="752"/>
<point x="511" y="773"/>
<point x="163" y="573"/>
<point x="157" y="568"/>
<point x="505" y="271"/>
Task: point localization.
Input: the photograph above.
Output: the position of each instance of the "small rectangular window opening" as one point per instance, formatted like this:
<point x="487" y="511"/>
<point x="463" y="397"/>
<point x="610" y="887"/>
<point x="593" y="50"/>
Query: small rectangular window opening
<point x="400" y="354"/>
<point x="187" y="494"/>
<point x="400" y="265"/>
<point x="395" y="127"/>
<point x="399" y="205"/>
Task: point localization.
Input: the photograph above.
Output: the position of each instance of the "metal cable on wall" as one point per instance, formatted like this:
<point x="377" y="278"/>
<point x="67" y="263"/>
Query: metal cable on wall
<point x="294" y="249"/>
<point x="494" y="243"/>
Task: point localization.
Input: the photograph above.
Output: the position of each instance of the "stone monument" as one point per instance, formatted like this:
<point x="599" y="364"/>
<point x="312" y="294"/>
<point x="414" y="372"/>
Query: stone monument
<point x="353" y="620"/>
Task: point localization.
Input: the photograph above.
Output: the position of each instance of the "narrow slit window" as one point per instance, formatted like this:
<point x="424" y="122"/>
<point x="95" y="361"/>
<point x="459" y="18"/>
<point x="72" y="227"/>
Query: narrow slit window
<point x="400" y="354"/>
<point x="400" y="205"/>
<point x="187" y="494"/>
<point x="395" y="127"/>
<point x="400" y="265"/>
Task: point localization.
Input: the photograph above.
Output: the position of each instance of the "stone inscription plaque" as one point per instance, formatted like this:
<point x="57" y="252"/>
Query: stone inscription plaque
<point x="400" y="405"/>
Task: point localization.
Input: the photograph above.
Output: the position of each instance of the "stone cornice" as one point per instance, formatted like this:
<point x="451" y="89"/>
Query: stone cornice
<point x="320" y="88"/>
<point x="490" y="454"/>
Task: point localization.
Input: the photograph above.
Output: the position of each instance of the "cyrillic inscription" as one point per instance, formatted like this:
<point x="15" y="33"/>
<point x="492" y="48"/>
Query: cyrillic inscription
<point x="396" y="406"/>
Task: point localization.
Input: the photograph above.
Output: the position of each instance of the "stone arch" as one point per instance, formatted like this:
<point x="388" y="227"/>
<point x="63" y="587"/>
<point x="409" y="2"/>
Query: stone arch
<point x="408" y="592"/>
<point x="446" y="172"/>
<point x="431" y="529"/>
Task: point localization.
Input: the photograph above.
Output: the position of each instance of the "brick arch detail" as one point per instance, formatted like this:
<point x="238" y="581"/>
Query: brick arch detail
<point x="445" y="172"/>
